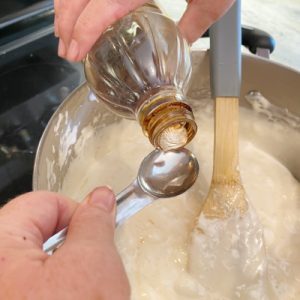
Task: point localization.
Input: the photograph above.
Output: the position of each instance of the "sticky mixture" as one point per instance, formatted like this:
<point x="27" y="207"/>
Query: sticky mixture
<point x="155" y="244"/>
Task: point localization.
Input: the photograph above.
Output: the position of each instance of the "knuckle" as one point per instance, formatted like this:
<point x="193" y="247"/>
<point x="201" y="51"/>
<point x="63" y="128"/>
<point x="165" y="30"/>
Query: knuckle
<point x="85" y="30"/>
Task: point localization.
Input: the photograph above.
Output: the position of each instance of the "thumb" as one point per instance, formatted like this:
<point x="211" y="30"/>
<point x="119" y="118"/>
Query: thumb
<point x="89" y="249"/>
<point x="93" y="222"/>
<point x="200" y="15"/>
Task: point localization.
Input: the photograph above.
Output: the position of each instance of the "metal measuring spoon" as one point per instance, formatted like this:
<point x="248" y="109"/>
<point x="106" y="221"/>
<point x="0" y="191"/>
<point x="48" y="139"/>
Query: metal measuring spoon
<point x="161" y="175"/>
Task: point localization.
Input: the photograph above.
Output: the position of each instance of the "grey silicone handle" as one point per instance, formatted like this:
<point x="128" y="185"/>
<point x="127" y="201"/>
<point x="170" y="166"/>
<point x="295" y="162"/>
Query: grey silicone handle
<point x="225" y="62"/>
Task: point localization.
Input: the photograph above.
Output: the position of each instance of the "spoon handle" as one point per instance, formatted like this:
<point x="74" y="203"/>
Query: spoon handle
<point x="129" y="201"/>
<point x="54" y="241"/>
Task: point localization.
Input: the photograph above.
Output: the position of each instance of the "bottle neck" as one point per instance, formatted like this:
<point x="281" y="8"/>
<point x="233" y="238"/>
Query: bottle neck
<point x="167" y="121"/>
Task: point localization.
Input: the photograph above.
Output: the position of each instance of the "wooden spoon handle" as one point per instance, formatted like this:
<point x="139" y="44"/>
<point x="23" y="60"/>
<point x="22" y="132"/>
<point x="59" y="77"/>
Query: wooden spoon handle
<point x="226" y="140"/>
<point x="226" y="195"/>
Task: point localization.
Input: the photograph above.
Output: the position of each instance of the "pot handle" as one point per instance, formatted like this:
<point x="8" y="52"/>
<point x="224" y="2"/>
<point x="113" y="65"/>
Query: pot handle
<point x="255" y="40"/>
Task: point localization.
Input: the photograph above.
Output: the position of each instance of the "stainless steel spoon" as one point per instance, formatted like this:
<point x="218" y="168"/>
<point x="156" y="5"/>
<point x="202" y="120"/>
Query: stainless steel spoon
<point x="161" y="175"/>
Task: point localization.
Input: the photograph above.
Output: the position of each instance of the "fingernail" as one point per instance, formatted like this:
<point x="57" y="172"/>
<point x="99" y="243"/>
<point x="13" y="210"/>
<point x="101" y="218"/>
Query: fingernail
<point x="104" y="198"/>
<point x="61" y="48"/>
<point x="73" y="50"/>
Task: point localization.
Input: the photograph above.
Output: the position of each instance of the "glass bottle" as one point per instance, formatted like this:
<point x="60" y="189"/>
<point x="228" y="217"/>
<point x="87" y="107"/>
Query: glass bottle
<point x="140" y="68"/>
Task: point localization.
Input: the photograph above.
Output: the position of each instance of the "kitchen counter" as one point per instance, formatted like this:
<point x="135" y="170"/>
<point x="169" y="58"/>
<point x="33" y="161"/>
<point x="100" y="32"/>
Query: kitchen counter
<point x="280" y="18"/>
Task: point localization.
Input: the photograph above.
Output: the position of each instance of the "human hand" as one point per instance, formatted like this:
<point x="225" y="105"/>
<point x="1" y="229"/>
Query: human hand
<point x="86" y="266"/>
<point x="79" y="23"/>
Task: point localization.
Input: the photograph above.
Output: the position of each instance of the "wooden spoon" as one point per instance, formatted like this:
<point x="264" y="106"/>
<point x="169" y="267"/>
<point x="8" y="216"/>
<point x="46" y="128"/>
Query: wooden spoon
<point x="227" y="251"/>
<point x="226" y="195"/>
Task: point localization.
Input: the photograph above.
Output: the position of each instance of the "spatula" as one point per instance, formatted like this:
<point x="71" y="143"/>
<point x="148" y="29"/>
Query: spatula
<point x="227" y="251"/>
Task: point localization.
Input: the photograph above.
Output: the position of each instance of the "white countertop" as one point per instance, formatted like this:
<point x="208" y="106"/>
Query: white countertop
<point x="280" y="18"/>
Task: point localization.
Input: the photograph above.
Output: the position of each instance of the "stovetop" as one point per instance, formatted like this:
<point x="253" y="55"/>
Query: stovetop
<point x="9" y="7"/>
<point x="33" y="82"/>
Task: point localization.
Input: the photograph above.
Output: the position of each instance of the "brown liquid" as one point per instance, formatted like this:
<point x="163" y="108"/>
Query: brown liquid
<point x="169" y="125"/>
<point x="140" y="57"/>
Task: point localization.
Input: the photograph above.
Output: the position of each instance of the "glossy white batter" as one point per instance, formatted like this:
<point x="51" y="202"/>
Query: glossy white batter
<point x="155" y="245"/>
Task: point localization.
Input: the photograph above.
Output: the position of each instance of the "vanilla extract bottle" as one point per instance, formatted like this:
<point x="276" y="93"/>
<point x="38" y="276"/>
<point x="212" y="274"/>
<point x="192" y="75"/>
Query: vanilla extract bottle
<point x="140" y="68"/>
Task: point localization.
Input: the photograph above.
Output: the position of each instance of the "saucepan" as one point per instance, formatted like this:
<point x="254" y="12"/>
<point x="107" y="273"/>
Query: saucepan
<point x="67" y="128"/>
<point x="81" y="119"/>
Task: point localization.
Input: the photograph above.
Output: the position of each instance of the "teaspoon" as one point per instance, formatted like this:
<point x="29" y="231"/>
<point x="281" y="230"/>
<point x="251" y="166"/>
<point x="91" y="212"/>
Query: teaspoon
<point x="161" y="175"/>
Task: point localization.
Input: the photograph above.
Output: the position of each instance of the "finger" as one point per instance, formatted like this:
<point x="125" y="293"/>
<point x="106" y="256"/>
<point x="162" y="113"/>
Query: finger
<point x="94" y="220"/>
<point x="95" y="18"/>
<point x="56" y="17"/>
<point x="200" y="15"/>
<point x="90" y="242"/>
<point x="30" y="219"/>
<point x="69" y="11"/>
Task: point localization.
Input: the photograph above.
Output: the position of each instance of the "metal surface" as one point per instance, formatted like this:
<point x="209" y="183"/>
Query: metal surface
<point x="265" y="53"/>
<point x="23" y="22"/>
<point x="18" y="15"/>
<point x="27" y="39"/>
<point x="168" y="174"/>
<point x="33" y="82"/>
<point x="161" y="175"/>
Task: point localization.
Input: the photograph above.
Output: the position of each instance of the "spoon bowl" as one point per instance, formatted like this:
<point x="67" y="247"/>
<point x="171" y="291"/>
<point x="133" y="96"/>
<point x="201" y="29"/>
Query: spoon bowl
<point x="168" y="174"/>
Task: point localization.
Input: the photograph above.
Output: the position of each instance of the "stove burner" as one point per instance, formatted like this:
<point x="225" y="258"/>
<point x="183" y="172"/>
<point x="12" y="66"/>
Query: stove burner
<point x="33" y="82"/>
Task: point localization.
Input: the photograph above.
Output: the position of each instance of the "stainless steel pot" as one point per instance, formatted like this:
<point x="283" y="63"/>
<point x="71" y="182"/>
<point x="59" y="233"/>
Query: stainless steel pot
<point x="279" y="84"/>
